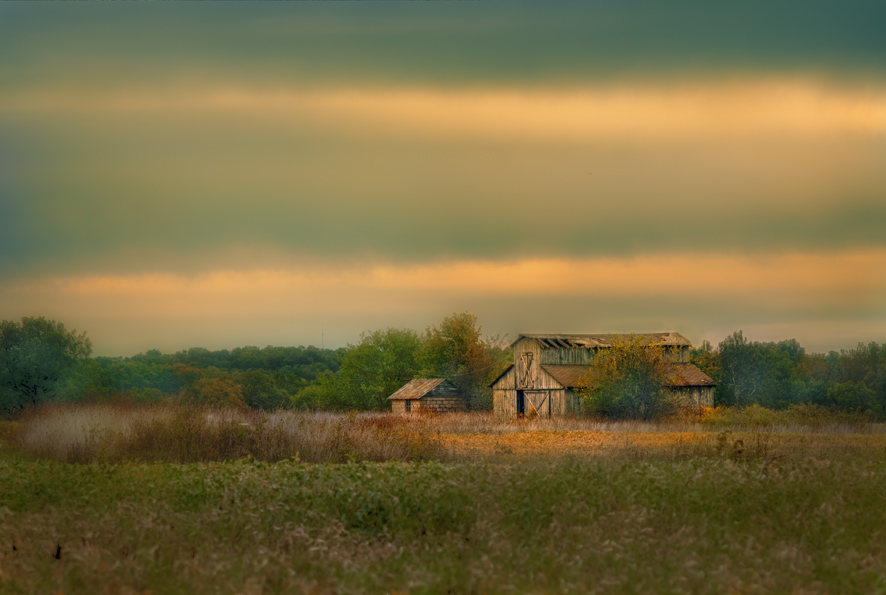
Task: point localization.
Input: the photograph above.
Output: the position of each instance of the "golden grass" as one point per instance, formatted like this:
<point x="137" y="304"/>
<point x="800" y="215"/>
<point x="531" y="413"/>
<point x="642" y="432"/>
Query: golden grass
<point x="564" y="505"/>
<point x="182" y="434"/>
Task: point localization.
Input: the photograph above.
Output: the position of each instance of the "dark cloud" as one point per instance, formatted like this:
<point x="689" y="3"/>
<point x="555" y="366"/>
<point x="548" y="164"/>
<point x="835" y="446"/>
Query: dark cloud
<point x="430" y="43"/>
<point x="117" y="157"/>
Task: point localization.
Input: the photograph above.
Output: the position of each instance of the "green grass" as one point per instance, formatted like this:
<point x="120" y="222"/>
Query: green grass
<point x="697" y="526"/>
<point x="657" y="510"/>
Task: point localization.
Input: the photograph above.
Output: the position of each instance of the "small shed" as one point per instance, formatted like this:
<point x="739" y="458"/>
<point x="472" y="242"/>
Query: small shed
<point x="428" y="394"/>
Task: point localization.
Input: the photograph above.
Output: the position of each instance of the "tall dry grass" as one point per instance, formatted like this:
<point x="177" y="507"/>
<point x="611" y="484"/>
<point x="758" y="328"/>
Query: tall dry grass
<point x="181" y="434"/>
<point x="116" y="433"/>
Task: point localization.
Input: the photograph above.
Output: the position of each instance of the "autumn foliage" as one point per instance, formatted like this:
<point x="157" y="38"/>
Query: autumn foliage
<point x="629" y="381"/>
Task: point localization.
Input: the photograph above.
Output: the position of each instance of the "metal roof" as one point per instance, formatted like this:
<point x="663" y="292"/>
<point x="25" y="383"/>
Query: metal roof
<point x="416" y="389"/>
<point x="568" y="341"/>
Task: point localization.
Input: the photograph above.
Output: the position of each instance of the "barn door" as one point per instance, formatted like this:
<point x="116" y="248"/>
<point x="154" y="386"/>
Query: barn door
<point x="538" y="402"/>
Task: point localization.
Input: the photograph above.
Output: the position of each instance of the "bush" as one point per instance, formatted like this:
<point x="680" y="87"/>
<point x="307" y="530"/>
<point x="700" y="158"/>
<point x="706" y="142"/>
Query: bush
<point x="629" y="380"/>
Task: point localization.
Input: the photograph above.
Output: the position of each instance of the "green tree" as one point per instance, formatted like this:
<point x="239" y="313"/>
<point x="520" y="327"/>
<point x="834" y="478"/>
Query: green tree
<point x="629" y="380"/>
<point x="370" y="371"/>
<point x="260" y="391"/>
<point x="756" y="373"/>
<point x="37" y="356"/>
<point x="707" y="359"/>
<point x="457" y="350"/>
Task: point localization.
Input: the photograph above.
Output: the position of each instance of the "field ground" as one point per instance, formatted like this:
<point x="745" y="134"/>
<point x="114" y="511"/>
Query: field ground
<point x="452" y="504"/>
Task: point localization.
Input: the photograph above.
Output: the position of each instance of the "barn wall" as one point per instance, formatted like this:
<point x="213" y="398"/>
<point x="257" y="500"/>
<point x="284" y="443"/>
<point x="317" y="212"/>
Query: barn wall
<point x="546" y="381"/>
<point x="579" y="356"/>
<point x="398" y="406"/>
<point x="572" y="402"/>
<point x="558" y="402"/>
<point x="504" y="402"/>
<point x="696" y="396"/>
<point x="526" y="351"/>
<point x="504" y="394"/>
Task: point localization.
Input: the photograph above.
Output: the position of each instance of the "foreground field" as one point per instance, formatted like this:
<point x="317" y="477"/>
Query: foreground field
<point x="617" y="509"/>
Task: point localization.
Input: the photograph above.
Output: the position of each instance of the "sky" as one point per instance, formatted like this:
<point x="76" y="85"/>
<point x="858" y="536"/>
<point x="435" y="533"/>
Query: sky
<point x="296" y="173"/>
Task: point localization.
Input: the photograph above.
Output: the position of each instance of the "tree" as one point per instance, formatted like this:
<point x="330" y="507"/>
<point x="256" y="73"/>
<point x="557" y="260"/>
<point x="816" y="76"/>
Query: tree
<point x="456" y="350"/>
<point x="260" y="391"/>
<point x="36" y="357"/>
<point x="707" y="359"/>
<point x="756" y="373"/>
<point x="629" y="380"/>
<point x="372" y="370"/>
<point x="220" y="392"/>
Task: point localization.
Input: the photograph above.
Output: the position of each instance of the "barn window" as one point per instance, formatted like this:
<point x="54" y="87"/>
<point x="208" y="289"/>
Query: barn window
<point x="408" y="404"/>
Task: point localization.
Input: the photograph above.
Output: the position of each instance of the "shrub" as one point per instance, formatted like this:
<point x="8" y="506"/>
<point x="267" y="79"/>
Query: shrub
<point x="629" y="380"/>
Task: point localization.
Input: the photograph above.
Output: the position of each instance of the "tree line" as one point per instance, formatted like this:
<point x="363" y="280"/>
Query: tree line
<point x="779" y="374"/>
<point x="40" y="361"/>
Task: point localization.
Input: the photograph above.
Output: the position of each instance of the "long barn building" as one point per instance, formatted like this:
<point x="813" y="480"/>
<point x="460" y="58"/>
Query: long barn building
<point x="547" y="368"/>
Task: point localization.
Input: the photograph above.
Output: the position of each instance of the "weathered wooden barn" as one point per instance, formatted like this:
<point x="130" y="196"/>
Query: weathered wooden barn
<point x="547" y="368"/>
<point x="428" y="394"/>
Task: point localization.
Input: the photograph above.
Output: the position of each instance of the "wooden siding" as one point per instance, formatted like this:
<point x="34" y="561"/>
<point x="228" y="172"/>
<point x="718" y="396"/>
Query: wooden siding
<point x="504" y="402"/>
<point x="563" y="357"/>
<point x="572" y="403"/>
<point x="527" y="353"/>
<point x="441" y="404"/>
<point x="504" y="393"/>
<point x="695" y="396"/>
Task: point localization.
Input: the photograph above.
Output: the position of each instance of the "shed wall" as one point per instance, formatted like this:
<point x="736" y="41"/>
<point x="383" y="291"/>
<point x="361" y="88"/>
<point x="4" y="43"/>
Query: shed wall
<point x="443" y="404"/>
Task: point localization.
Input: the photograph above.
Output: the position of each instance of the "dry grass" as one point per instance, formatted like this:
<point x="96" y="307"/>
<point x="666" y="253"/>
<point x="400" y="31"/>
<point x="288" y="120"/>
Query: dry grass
<point x="553" y="506"/>
<point x="115" y="433"/>
<point x="109" y="433"/>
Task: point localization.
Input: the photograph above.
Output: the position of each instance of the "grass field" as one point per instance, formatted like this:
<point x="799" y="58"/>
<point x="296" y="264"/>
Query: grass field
<point x="462" y="504"/>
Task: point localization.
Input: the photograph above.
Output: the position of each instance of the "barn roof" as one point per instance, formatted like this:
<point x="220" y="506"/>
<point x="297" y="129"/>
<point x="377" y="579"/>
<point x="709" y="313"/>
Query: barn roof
<point x="690" y="375"/>
<point x="683" y="375"/>
<point x="416" y="389"/>
<point x="569" y="341"/>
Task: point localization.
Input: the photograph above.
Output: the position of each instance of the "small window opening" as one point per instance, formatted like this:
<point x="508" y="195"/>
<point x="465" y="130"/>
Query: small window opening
<point x="408" y="405"/>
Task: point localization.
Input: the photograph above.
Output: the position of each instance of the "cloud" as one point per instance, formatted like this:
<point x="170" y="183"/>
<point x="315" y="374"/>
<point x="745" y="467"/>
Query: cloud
<point x="730" y="110"/>
<point x="177" y="180"/>
<point x="612" y="294"/>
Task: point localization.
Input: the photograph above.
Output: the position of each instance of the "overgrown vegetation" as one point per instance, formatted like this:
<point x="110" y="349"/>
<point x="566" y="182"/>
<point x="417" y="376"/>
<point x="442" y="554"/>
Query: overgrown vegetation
<point x="186" y="434"/>
<point x="629" y="380"/>
<point x="176" y="434"/>
<point x="562" y="505"/>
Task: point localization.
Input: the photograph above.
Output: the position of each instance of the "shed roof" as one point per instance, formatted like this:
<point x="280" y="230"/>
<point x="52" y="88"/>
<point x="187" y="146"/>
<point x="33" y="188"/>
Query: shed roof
<point x="572" y="341"/>
<point x="416" y="389"/>
<point x="683" y="375"/>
